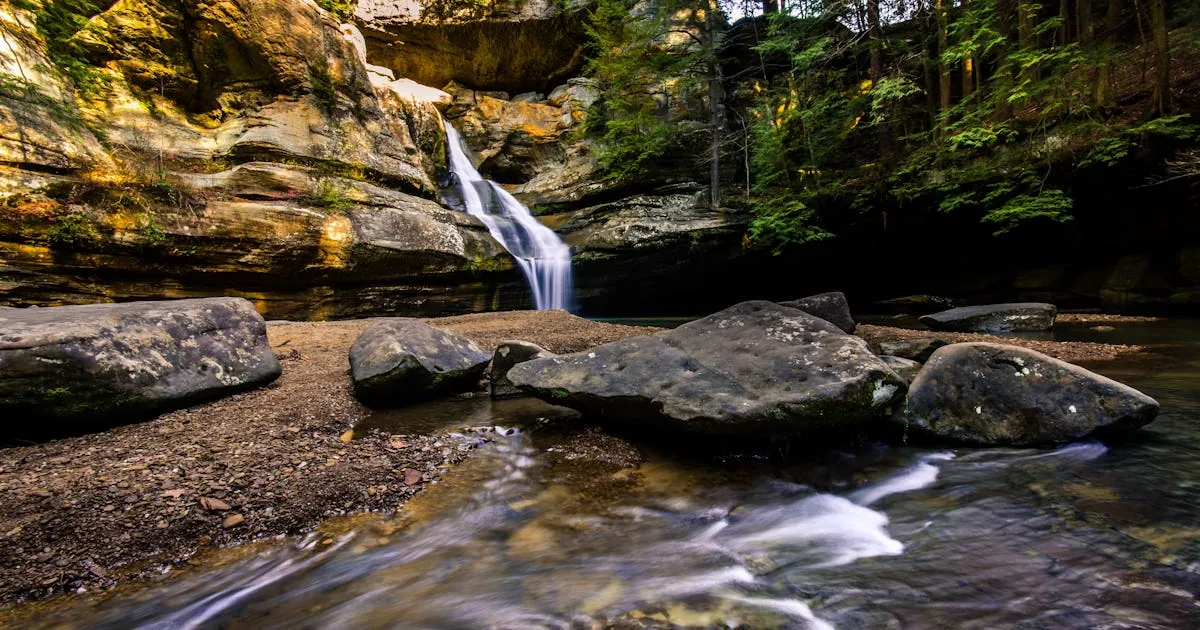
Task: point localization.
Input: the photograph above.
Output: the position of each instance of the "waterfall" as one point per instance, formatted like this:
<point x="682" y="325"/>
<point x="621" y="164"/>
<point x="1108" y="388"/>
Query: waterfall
<point x="543" y="257"/>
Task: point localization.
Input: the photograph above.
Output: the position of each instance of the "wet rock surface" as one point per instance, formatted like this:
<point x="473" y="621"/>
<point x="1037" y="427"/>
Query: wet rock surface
<point x="831" y="307"/>
<point x="754" y="369"/>
<point x="994" y="394"/>
<point x="71" y="369"/>
<point x="1018" y="317"/>
<point x="398" y="360"/>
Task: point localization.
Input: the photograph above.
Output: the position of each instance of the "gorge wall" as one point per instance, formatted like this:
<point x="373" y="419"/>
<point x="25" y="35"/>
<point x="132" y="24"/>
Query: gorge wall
<point x="181" y="148"/>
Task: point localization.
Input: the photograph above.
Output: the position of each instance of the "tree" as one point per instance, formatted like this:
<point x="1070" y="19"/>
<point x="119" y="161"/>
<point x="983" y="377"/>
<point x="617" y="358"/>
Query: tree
<point x="1161" y="99"/>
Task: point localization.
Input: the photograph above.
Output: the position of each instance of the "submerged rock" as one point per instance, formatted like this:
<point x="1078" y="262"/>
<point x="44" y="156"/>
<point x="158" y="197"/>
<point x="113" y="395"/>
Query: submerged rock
<point x="754" y="369"/>
<point x="986" y="393"/>
<point x="918" y="350"/>
<point x="906" y="369"/>
<point x="72" y="369"/>
<point x="1019" y="317"/>
<point x="398" y="360"/>
<point x="507" y="355"/>
<point x="831" y="307"/>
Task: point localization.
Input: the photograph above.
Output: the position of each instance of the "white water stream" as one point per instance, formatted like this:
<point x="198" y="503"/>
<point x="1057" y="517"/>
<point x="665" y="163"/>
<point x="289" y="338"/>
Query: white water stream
<point x="543" y="257"/>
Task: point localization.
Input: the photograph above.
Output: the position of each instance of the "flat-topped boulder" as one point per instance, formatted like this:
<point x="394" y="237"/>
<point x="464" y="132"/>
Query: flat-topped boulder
<point x="398" y="360"/>
<point x="1016" y="317"/>
<point x="831" y="307"/>
<point x="995" y="394"/>
<point x="755" y="369"/>
<point x="72" y="369"/>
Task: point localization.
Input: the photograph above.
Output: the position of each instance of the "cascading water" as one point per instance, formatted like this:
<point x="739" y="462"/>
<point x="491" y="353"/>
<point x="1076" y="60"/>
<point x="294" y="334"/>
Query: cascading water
<point x="543" y="257"/>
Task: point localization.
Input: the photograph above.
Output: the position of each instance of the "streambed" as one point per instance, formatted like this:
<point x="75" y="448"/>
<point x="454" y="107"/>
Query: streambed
<point x="528" y="534"/>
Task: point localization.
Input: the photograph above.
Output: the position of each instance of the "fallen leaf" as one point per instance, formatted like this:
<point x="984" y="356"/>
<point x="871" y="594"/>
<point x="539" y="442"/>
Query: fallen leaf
<point x="174" y="494"/>
<point x="347" y="436"/>
<point x="233" y="520"/>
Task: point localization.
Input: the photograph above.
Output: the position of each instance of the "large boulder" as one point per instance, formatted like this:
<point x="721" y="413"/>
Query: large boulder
<point x="507" y="355"/>
<point x="398" y="360"/>
<point x="71" y="369"/>
<point x="1019" y="317"/>
<point x="995" y="394"/>
<point x="831" y="307"/>
<point x="755" y="369"/>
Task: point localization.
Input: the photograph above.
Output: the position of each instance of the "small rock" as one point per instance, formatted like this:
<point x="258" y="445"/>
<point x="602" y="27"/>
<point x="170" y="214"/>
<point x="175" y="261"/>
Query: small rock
<point x="904" y="368"/>
<point x="918" y="350"/>
<point x="213" y="505"/>
<point x="233" y="520"/>
<point x="411" y="477"/>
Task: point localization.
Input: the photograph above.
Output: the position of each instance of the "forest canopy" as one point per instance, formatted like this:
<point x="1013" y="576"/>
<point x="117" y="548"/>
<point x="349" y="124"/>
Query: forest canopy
<point x="815" y="114"/>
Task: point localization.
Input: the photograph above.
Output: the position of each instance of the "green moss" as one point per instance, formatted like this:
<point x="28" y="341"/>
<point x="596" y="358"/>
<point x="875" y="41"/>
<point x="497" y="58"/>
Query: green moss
<point x="480" y="263"/>
<point x="58" y="22"/>
<point x="324" y="85"/>
<point x="330" y="194"/>
<point x="74" y="231"/>
<point x="341" y="9"/>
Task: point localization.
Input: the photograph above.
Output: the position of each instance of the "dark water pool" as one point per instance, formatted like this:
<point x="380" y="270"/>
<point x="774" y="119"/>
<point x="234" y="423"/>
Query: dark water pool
<point x="1085" y="536"/>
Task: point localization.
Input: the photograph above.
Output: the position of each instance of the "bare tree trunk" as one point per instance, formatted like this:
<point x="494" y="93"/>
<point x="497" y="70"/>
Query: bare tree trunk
<point x="1161" y="100"/>
<point x="943" y="69"/>
<point x="875" y="34"/>
<point x="714" y="100"/>
<point x="1025" y="35"/>
<point x="1104" y="80"/>
<point x="969" y="63"/>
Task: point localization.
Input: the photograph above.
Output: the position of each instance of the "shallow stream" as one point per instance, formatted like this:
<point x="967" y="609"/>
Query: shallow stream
<point x="543" y="528"/>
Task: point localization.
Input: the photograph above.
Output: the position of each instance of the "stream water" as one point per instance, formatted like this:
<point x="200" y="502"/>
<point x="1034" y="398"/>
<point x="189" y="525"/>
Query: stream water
<point x="528" y="534"/>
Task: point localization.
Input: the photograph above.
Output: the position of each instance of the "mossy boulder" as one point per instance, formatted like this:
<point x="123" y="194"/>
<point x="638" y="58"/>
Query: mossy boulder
<point x="756" y="369"/>
<point x="398" y="360"/>
<point x="73" y="369"/>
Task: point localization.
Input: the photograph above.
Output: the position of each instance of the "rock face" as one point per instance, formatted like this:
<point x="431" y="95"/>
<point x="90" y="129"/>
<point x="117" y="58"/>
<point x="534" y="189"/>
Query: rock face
<point x="524" y="46"/>
<point x="755" y="369"/>
<point x="73" y="369"/>
<point x="1019" y="317"/>
<point x="507" y="355"/>
<point x="918" y="350"/>
<point x="399" y="360"/>
<point x="984" y="393"/>
<point x="831" y="307"/>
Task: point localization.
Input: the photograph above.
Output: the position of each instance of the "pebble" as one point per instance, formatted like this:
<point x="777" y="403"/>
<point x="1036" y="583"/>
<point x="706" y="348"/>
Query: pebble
<point x="214" y="505"/>
<point x="233" y="520"/>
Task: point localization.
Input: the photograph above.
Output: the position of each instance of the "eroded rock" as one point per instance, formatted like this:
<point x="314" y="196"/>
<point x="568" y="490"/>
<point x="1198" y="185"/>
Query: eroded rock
<point x="755" y="369"/>
<point x="994" y="394"/>
<point x="71" y="369"/>
<point x="398" y="360"/>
